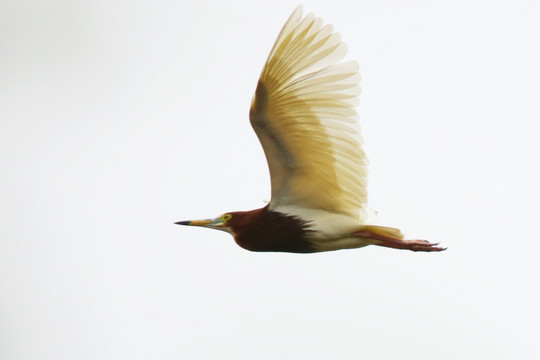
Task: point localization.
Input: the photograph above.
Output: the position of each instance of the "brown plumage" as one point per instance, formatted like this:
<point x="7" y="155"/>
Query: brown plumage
<point x="267" y="230"/>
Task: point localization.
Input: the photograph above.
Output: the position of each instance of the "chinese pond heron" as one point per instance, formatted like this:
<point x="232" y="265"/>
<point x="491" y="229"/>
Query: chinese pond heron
<point x="303" y="113"/>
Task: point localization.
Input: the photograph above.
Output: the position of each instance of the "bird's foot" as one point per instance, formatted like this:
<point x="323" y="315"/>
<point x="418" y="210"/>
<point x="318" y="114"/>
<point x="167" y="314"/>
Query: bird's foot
<point x="386" y="241"/>
<point x="420" y="245"/>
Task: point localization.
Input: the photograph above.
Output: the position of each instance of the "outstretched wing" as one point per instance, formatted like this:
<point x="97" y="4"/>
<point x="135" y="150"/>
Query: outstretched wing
<point x="304" y="114"/>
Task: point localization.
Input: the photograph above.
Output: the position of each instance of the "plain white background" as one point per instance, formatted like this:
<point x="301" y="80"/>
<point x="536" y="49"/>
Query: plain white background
<point x="118" y="118"/>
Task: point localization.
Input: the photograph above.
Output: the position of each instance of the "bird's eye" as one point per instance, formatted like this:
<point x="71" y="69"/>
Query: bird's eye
<point x="227" y="217"/>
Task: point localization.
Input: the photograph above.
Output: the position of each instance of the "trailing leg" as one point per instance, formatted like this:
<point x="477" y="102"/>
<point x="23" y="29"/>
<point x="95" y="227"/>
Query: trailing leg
<point x="392" y="238"/>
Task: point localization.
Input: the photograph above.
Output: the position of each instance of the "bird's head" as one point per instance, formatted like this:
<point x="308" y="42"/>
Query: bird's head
<point x="222" y="222"/>
<point x="234" y="222"/>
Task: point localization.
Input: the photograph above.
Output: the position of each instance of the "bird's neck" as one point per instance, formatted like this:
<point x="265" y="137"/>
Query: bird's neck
<point x="267" y="230"/>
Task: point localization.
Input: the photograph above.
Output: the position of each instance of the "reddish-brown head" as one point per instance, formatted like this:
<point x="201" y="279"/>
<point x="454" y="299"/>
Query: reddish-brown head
<point x="262" y="230"/>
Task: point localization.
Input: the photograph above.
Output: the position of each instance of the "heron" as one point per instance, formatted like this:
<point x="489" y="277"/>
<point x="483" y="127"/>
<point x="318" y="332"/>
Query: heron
<point x="303" y="113"/>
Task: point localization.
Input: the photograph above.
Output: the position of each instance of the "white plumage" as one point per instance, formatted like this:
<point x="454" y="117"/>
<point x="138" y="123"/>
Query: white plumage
<point x="304" y="115"/>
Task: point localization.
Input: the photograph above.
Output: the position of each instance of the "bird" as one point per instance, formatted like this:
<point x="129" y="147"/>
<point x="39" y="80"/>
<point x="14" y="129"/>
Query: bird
<point x="304" y="114"/>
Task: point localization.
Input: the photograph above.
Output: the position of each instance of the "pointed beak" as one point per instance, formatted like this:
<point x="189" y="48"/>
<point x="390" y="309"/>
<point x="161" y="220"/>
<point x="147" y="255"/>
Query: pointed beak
<point x="183" y="222"/>
<point x="204" y="223"/>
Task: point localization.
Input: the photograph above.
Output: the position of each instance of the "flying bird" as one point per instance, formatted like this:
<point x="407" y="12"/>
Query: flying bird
<point x="303" y="113"/>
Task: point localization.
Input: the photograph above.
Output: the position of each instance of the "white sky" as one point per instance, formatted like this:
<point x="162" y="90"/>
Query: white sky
<point x="118" y="118"/>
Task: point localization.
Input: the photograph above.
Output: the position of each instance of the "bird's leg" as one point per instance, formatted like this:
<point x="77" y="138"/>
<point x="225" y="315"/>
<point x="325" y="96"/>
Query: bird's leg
<point x="414" y="245"/>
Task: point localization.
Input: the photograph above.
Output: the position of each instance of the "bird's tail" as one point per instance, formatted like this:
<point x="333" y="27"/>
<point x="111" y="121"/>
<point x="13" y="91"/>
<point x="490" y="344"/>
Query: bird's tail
<point x="385" y="231"/>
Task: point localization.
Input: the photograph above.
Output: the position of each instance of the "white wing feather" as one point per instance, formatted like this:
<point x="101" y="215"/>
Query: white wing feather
<point x="304" y="115"/>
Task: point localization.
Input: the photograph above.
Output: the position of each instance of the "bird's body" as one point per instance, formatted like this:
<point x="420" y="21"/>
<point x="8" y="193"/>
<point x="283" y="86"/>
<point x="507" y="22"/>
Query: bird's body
<point x="268" y="230"/>
<point x="303" y="113"/>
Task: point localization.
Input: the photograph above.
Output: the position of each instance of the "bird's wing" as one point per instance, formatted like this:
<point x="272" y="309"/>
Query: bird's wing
<point x="304" y="114"/>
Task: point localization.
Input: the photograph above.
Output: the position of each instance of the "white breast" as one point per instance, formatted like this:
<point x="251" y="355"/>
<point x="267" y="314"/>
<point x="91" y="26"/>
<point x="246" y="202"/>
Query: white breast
<point x="331" y="231"/>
